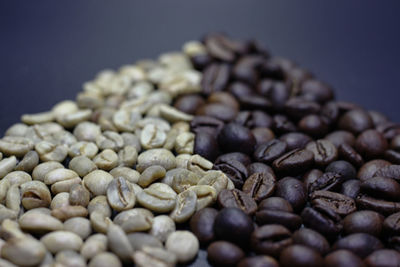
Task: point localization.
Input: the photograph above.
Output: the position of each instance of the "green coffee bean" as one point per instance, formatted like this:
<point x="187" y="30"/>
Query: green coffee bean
<point x="23" y="251"/>
<point x="50" y="152"/>
<point x="79" y="195"/>
<point x="120" y="195"/>
<point x="183" y="244"/>
<point x="206" y="195"/>
<point x="106" y="160"/>
<point x="17" y="177"/>
<point x="15" y="145"/>
<point x="29" y="162"/>
<point x="78" y="225"/>
<point x="157" y="156"/>
<point x="66" y="212"/>
<point x="7" y="165"/>
<point x="105" y="259"/>
<point x="158" y="197"/>
<point x="185" y="206"/>
<point x="134" y="220"/>
<point x="182" y="179"/>
<point x="61" y="240"/>
<point x="37" y="118"/>
<point x="162" y="227"/>
<point x="110" y="140"/>
<point x="94" y="244"/>
<point x="216" y="179"/>
<point x="41" y="170"/>
<point x="83" y="148"/>
<point x="82" y="165"/>
<point x="151" y="174"/>
<point x="70" y="258"/>
<point x="39" y="223"/>
<point x="138" y="240"/>
<point x="129" y="174"/>
<point x="35" y="194"/>
<point x="97" y="182"/>
<point x="87" y="131"/>
<point x="154" y="256"/>
<point x="127" y="156"/>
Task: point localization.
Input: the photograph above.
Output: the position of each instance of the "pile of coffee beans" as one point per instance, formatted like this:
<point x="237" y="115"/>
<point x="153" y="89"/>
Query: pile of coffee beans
<point x="316" y="179"/>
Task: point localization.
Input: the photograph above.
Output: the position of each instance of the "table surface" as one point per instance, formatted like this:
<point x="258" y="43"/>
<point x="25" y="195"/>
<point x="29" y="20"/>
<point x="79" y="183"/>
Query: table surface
<point x="49" y="48"/>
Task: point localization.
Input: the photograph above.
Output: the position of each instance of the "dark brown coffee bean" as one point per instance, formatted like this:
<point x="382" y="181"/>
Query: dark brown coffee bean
<point x="189" y="103"/>
<point x="355" y="121"/>
<point x="268" y="152"/>
<point x="339" y="203"/>
<point x="275" y="203"/>
<point x="281" y="124"/>
<point x="382" y="187"/>
<point x="371" y="144"/>
<point x="272" y="70"/>
<point x="278" y="92"/>
<point x="391" y="224"/>
<point x="317" y="91"/>
<point x="360" y="244"/>
<point x="391" y="171"/>
<point x="258" y="167"/>
<point x="351" y="188"/>
<point x="383" y="257"/>
<point x="301" y="256"/>
<point x="254" y="102"/>
<point x="328" y="181"/>
<point x="311" y="177"/>
<point x="241" y="157"/>
<point x="222" y="253"/>
<point x="298" y="108"/>
<point x="236" y="138"/>
<point x="253" y="119"/>
<point x="258" y="261"/>
<point x="237" y="199"/>
<point x="263" y="135"/>
<point x="215" y="78"/>
<point x="369" y="169"/>
<point x="324" y="152"/>
<point x="270" y="239"/>
<point x="342" y="167"/>
<point x="234" y="225"/>
<point x="294" y="162"/>
<point x="218" y="111"/>
<point x="322" y="220"/>
<point x="200" y="61"/>
<point x="234" y="169"/>
<point x="392" y="156"/>
<point x="202" y="224"/>
<point x="313" y="125"/>
<point x="389" y="129"/>
<point x="295" y="140"/>
<point x="239" y="89"/>
<point x="377" y="117"/>
<point x="351" y="155"/>
<point x="363" y="221"/>
<point x="220" y="47"/>
<point x="208" y="124"/>
<point x="223" y="98"/>
<point x="205" y="144"/>
<point x="290" y="220"/>
<point x="293" y="191"/>
<point x="341" y="137"/>
<point x="312" y="239"/>
<point x="395" y="143"/>
<point x="245" y="69"/>
<point x="259" y="186"/>
<point x="382" y="206"/>
<point x="343" y="258"/>
<point x="394" y="242"/>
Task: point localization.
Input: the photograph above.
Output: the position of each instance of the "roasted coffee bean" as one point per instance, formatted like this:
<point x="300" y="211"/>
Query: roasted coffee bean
<point x="324" y="152"/>
<point x="369" y="169"/>
<point x="293" y="191"/>
<point x="206" y="123"/>
<point x="294" y="162"/>
<point x="223" y="98"/>
<point x="233" y="220"/>
<point x="394" y="242"/>
<point x="241" y="157"/>
<point x="383" y="257"/>
<point x="344" y="168"/>
<point x="270" y="239"/>
<point x="371" y="144"/>
<point x="355" y="121"/>
<point x="391" y="171"/>
<point x="298" y="255"/>
<point x="215" y="78"/>
<point x="330" y="113"/>
<point x="360" y="244"/>
<point x="328" y="181"/>
<point x="223" y="48"/>
<point x="278" y="92"/>
<point x="339" y="203"/>
<point x="313" y="125"/>
<point x="392" y="156"/>
<point x="291" y="221"/>
<point x="381" y="187"/>
<point x="311" y="176"/>
<point x="218" y="111"/>
<point x="281" y="124"/>
<point x="237" y="199"/>
<point x="340" y="137"/>
<point x="382" y="206"/>
<point x="391" y="224"/>
<point x="234" y="169"/>
<point x="258" y="261"/>
<point x="295" y="140"/>
<point x="258" y="167"/>
<point x="343" y="258"/>
<point x="323" y="220"/>
<point x="234" y="137"/>
<point x="206" y="145"/>
<point x="275" y="203"/>
<point x="254" y="119"/>
<point x="189" y="103"/>
<point x="317" y="90"/>
<point x="202" y="224"/>
<point x="363" y="221"/>
<point x="254" y="102"/>
<point x="270" y="151"/>
<point x="377" y="117"/>
<point x="246" y="67"/>
<point x="223" y="253"/>
<point x="389" y="129"/>
<point x="259" y="186"/>
<point x="240" y="89"/>
<point x="298" y="108"/>
<point x="311" y="239"/>
<point x="263" y="135"/>
<point x="351" y="188"/>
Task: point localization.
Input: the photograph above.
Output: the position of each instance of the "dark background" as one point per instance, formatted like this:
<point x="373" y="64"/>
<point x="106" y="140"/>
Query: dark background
<point x="49" y="48"/>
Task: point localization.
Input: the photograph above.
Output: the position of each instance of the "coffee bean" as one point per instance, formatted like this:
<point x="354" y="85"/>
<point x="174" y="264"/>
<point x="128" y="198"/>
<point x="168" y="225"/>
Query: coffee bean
<point x="383" y="257"/>
<point x="223" y="98"/>
<point x="234" y="137"/>
<point x="218" y="111"/>
<point x="350" y="154"/>
<point x="313" y="125"/>
<point x="382" y="206"/>
<point x="223" y="253"/>
<point x="294" y="162"/>
<point x="233" y="220"/>
<point x="388" y="129"/>
<point x="245" y="68"/>
<point x="391" y="171"/>
<point x="371" y="144"/>
<point x="237" y="199"/>
<point x="323" y="220"/>
<point x="234" y="169"/>
<point x="391" y="224"/>
<point x="317" y="90"/>
<point x="289" y="220"/>
<point x="339" y="203"/>
<point x="298" y="108"/>
<point x="364" y="221"/>
<point x="344" y="168"/>
<point x="392" y="156"/>
<point x="262" y="135"/>
<point x="343" y="258"/>
<point x="253" y="119"/>
<point x="281" y="124"/>
<point x="295" y="140"/>
<point x="360" y="244"/>
<point x="275" y="203"/>
<point x="328" y="181"/>
<point x="369" y="169"/>
<point x="240" y="89"/>
<point x="183" y="244"/>
<point x="311" y="239"/>
<point x="241" y="157"/>
<point x="381" y="187"/>
<point x="258" y="167"/>
<point x="189" y="103"/>
<point x="161" y="228"/>
<point x="355" y="121"/>
<point x="270" y="239"/>
<point x="270" y="151"/>
<point x="278" y="92"/>
<point x="324" y="152"/>
<point x="206" y="123"/>
<point x="258" y="261"/>
<point x="311" y="176"/>
<point x="340" y="137"/>
<point x="215" y="78"/>
<point x="259" y="186"/>
<point x="298" y="255"/>
<point x="202" y="224"/>
<point x="330" y="113"/>
<point x="351" y="188"/>
<point x="223" y="48"/>
<point x="293" y="191"/>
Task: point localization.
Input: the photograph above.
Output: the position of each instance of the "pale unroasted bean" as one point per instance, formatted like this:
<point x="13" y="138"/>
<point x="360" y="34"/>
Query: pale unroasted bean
<point x="65" y="212"/>
<point x="120" y="195"/>
<point x="182" y="179"/>
<point x="79" y="196"/>
<point x="50" y="152"/>
<point x="70" y="258"/>
<point x="162" y="227"/>
<point x="6" y="213"/>
<point x="199" y="165"/>
<point x="99" y="221"/>
<point x="158" y="197"/>
<point x="48" y="128"/>
<point x="87" y="131"/>
<point x="13" y="198"/>
<point x="182" y="161"/>
<point x="37" y="118"/>
<point x="156" y="156"/>
<point x="183" y="244"/>
<point x="5" y="263"/>
<point x="45" y="211"/>
<point x="131" y="140"/>
<point x="23" y="251"/>
<point x="39" y="223"/>
<point x="110" y="140"/>
<point x="184" y="82"/>
<point x="140" y="89"/>
<point x="163" y="125"/>
<point x="15" y="145"/>
<point x="94" y="244"/>
<point x="172" y="114"/>
<point x="64" y="107"/>
<point x="61" y="138"/>
<point x="216" y="179"/>
<point x="170" y="140"/>
<point x="181" y="126"/>
<point x="29" y="162"/>
<point x="100" y="204"/>
<point x="72" y="119"/>
<point x="59" y="175"/>
<point x="105" y="259"/>
<point x="78" y="225"/>
<point x="97" y="182"/>
<point x="61" y="240"/>
<point x="138" y="240"/>
<point x="126" y="120"/>
<point x="65" y="186"/>
<point x="230" y="185"/>
<point x="129" y="174"/>
<point x="35" y="194"/>
<point x="206" y="195"/>
<point x="134" y="220"/>
<point x="152" y="137"/>
<point x="185" y="206"/>
<point x="90" y="100"/>
<point x="106" y="160"/>
<point x="41" y="170"/>
<point x="82" y="165"/>
<point x="194" y="48"/>
<point x="127" y="156"/>
<point x="1" y="156"/>
<point x="83" y="148"/>
<point x="118" y="242"/>
<point x="59" y="200"/>
<point x="151" y="174"/>
<point x="154" y="256"/>
<point x="184" y="143"/>
<point x="17" y="129"/>
<point x="17" y="177"/>
<point x="7" y="165"/>
<point x="4" y="185"/>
